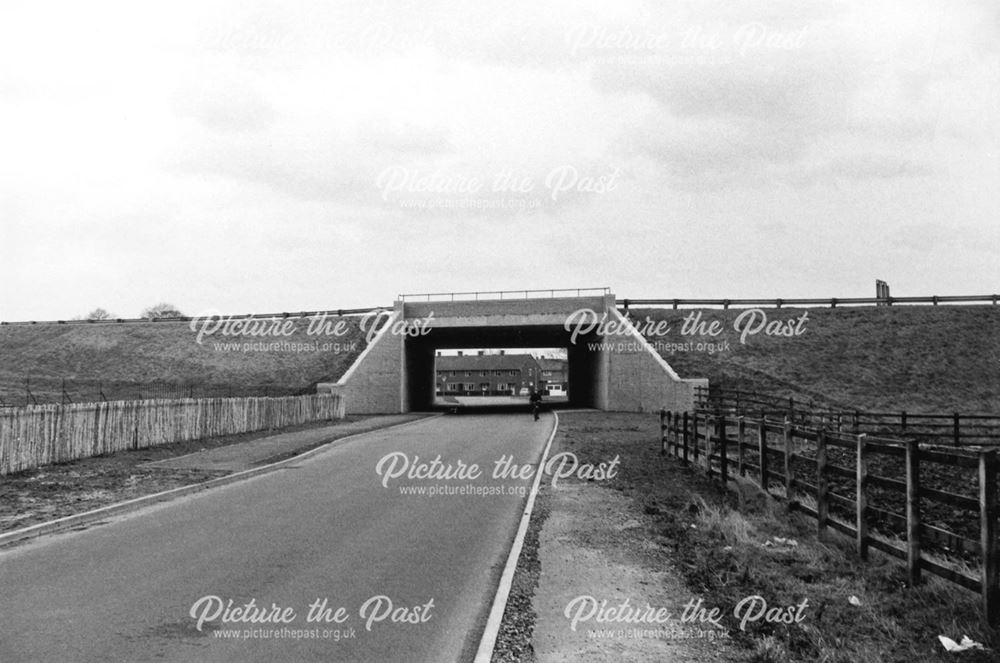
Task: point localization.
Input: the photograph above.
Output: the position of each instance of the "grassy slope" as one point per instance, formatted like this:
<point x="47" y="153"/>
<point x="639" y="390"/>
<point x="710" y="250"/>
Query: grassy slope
<point x="164" y="352"/>
<point x="917" y="358"/>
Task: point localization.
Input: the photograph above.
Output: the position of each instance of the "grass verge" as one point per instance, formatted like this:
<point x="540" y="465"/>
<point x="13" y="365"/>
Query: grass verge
<point x="730" y="546"/>
<point x="65" y="489"/>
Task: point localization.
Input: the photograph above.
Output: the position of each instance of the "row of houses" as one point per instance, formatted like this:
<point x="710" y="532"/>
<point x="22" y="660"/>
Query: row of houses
<point x="500" y="374"/>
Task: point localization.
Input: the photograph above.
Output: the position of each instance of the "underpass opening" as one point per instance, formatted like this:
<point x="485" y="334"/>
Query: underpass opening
<point x="499" y="378"/>
<point x="435" y="376"/>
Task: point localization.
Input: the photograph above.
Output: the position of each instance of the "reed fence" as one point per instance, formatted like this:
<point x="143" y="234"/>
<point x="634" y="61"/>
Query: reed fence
<point x="38" y="435"/>
<point x="934" y="509"/>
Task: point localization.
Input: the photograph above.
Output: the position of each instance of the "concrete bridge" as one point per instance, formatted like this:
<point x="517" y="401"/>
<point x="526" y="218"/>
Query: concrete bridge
<point x="611" y="365"/>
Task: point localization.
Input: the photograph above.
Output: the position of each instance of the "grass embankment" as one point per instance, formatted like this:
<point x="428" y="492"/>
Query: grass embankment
<point x="926" y="358"/>
<point x="166" y="353"/>
<point x="728" y="546"/>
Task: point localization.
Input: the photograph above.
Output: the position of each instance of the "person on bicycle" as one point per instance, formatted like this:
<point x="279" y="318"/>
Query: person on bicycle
<point x="536" y="401"/>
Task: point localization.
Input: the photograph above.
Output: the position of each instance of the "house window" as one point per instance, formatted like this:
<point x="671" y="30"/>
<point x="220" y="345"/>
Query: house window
<point x="470" y="386"/>
<point x="484" y="386"/>
<point x="452" y="386"/>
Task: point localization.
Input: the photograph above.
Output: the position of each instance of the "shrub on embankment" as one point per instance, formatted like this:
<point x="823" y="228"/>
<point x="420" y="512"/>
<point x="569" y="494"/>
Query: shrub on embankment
<point x="920" y="358"/>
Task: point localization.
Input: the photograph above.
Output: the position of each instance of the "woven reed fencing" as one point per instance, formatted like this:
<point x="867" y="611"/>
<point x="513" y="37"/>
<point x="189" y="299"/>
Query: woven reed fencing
<point x="42" y="434"/>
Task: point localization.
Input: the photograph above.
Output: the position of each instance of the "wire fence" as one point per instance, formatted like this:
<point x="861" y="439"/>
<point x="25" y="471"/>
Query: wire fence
<point x="64" y="391"/>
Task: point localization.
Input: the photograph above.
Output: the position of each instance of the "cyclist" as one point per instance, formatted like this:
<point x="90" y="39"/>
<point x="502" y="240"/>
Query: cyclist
<point x="536" y="402"/>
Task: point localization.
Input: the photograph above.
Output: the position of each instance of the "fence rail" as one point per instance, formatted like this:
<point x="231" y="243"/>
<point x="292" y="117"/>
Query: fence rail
<point x="37" y="435"/>
<point x="854" y="480"/>
<point x="832" y="302"/>
<point x="188" y="318"/>
<point x="956" y="428"/>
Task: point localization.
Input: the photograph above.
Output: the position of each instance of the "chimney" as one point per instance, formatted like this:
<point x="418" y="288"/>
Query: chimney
<point x="459" y="353"/>
<point x="503" y="352"/>
<point x="439" y="353"/>
<point x="480" y="353"/>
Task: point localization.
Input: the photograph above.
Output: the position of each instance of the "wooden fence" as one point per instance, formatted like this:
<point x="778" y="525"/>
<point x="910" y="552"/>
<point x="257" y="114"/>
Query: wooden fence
<point x="920" y="502"/>
<point x="955" y="428"/>
<point x="41" y="434"/>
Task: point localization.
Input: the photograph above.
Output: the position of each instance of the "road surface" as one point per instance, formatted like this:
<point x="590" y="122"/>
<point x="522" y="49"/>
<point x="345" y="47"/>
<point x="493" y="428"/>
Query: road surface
<point x="335" y="566"/>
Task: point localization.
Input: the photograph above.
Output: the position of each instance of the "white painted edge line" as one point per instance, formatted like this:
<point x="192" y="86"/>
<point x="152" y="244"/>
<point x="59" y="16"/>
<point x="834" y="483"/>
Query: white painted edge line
<point x="88" y="517"/>
<point x="485" y="652"/>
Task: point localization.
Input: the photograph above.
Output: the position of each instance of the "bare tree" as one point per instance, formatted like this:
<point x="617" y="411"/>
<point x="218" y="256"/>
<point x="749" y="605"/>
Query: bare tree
<point x="100" y="314"/>
<point x="161" y="310"/>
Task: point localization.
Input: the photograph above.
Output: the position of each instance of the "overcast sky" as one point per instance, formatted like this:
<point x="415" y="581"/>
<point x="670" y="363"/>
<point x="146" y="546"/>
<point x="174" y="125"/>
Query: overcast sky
<point x="284" y="156"/>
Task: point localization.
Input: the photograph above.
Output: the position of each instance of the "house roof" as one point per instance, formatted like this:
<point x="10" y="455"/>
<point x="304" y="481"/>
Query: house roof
<point x="548" y="364"/>
<point x="485" y="362"/>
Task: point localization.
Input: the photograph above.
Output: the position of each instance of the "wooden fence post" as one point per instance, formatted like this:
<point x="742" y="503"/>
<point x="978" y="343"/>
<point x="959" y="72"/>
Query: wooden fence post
<point x="664" y="418"/>
<point x="862" y="497"/>
<point x="913" y="511"/>
<point x="957" y="430"/>
<point x="694" y="435"/>
<point x="723" y="451"/>
<point x="988" y="535"/>
<point x="684" y="435"/>
<point x="789" y="474"/>
<point x="709" y="421"/>
<point x="762" y="451"/>
<point x="740" y="431"/>
<point x="676" y="433"/>
<point x="822" y="484"/>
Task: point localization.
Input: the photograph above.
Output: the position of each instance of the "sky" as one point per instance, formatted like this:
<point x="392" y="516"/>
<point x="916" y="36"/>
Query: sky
<point x="285" y="156"/>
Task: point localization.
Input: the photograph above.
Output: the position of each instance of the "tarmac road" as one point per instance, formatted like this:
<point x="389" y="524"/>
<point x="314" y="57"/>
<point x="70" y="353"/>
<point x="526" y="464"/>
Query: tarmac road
<point x="414" y="575"/>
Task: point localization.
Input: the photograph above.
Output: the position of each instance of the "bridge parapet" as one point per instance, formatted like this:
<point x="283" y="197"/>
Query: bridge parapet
<point x="537" y="311"/>
<point x="499" y="295"/>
